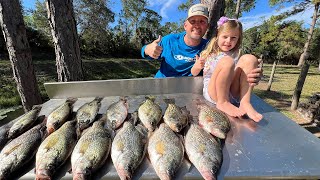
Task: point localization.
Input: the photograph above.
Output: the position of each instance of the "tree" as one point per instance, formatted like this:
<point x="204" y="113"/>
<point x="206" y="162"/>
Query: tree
<point x="65" y="38"/>
<point x="216" y="10"/>
<point x="305" y="53"/>
<point x="14" y="32"/>
<point x="234" y="8"/>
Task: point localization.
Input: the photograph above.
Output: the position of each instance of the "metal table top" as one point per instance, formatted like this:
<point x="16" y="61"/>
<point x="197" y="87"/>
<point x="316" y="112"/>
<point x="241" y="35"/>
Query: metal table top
<point x="274" y="148"/>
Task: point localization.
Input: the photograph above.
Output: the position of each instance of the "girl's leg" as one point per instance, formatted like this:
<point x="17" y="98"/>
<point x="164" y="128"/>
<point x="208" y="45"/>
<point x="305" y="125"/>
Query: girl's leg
<point x="240" y="85"/>
<point x="219" y="87"/>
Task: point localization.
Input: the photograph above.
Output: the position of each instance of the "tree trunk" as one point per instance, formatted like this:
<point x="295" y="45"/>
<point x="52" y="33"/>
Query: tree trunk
<point x="238" y="9"/>
<point x="299" y="86"/>
<point x="305" y="53"/>
<point x="216" y="10"/>
<point x="65" y="38"/>
<point x="14" y="33"/>
<point x="272" y="74"/>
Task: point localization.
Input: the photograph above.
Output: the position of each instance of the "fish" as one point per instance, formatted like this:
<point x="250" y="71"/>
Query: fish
<point x="24" y="122"/>
<point x="166" y="152"/>
<point x="213" y="120"/>
<point x="20" y="151"/>
<point x="91" y="151"/>
<point x="174" y="116"/>
<point x="55" y="150"/>
<point x="87" y="113"/>
<point x="150" y="113"/>
<point x="60" y="115"/>
<point x="117" y="112"/>
<point x="129" y="148"/>
<point x="204" y="151"/>
<point x="4" y="133"/>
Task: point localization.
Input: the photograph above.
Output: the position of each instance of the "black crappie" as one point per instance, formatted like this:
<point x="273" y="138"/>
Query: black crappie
<point x="55" y="150"/>
<point x="150" y="113"/>
<point x="117" y="112"/>
<point x="204" y="151"/>
<point x="166" y="152"/>
<point x="60" y="115"/>
<point x="91" y="151"/>
<point x="20" y="151"/>
<point x="213" y="120"/>
<point x="24" y="122"/>
<point x="87" y="113"/>
<point x="129" y="148"/>
<point x="4" y="133"/>
<point x="175" y="117"/>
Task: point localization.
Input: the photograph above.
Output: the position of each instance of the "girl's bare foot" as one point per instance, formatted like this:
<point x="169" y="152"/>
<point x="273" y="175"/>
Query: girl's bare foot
<point x="230" y="109"/>
<point x="251" y="112"/>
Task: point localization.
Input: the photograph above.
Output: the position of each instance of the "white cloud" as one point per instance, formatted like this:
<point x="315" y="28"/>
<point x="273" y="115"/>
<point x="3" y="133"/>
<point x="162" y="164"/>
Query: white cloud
<point x="165" y="6"/>
<point x="251" y="21"/>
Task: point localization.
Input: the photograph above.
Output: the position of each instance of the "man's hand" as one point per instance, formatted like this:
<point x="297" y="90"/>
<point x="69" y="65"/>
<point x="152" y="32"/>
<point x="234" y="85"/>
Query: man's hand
<point x="255" y="76"/>
<point x="153" y="50"/>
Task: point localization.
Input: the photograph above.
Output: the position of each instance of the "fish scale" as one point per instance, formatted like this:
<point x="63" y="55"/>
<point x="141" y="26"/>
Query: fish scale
<point x="213" y="121"/>
<point x="117" y="112"/>
<point x="175" y="117"/>
<point x="204" y="151"/>
<point x="91" y="151"/>
<point x="166" y="152"/>
<point x="128" y="149"/>
<point x="86" y="113"/>
<point x="55" y="150"/>
<point x="20" y="151"/>
<point x="150" y="113"/>
<point x="60" y="115"/>
<point x="24" y="122"/>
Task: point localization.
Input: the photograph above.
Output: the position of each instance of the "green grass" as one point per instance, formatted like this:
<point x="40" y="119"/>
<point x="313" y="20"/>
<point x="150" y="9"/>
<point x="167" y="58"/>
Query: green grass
<point x="283" y="85"/>
<point x="101" y="69"/>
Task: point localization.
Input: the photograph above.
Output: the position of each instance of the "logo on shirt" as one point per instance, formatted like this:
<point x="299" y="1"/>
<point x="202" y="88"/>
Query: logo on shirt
<point x="181" y="58"/>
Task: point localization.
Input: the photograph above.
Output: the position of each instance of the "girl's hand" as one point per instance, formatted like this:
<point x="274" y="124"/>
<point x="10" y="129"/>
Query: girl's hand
<point x="198" y="65"/>
<point x="200" y="61"/>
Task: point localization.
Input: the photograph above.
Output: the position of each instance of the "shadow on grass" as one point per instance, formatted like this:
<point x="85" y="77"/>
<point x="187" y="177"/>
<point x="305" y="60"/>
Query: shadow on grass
<point x="283" y="100"/>
<point x="103" y="70"/>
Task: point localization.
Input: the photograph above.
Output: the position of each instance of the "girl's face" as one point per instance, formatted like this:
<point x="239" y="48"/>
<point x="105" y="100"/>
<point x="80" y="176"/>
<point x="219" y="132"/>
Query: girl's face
<point x="228" y="39"/>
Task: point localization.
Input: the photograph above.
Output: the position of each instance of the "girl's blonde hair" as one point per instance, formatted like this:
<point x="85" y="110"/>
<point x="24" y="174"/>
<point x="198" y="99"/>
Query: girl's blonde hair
<point x="212" y="46"/>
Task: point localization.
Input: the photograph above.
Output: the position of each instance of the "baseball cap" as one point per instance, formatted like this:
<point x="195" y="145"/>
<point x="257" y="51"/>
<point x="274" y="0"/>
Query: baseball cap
<point x="198" y="10"/>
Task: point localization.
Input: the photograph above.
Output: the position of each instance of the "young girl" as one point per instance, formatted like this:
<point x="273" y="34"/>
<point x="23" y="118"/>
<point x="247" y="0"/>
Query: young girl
<point x="225" y="74"/>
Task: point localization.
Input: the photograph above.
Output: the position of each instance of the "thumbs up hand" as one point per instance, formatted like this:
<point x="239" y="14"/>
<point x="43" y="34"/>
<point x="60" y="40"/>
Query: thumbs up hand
<point x="153" y="49"/>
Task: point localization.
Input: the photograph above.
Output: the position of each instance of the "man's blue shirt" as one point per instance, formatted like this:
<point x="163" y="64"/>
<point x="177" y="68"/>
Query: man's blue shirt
<point x="177" y="58"/>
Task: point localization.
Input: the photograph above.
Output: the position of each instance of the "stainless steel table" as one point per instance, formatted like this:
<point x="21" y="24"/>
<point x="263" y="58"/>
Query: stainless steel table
<point x="274" y="148"/>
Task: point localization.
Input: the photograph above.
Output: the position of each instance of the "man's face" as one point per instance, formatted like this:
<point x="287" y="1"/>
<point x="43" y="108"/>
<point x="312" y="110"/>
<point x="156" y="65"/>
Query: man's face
<point x="196" y="27"/>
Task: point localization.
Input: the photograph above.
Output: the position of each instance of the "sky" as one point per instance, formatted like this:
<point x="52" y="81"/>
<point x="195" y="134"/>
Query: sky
<point x="168" y="9"/>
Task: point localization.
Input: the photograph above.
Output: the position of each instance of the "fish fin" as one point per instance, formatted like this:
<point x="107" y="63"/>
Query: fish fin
<point x="150" y="97"/>
<point x="98" y="98"/>
<point x="71" y="100"/>
<point x="169" y="101"/>
<point x="37" y="107"/>
<point x="9" y="151"/>
<point x="123" y="98"/>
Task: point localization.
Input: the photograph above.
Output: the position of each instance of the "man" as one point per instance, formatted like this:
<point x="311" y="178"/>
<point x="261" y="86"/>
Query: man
<point x="179" y="51"/>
